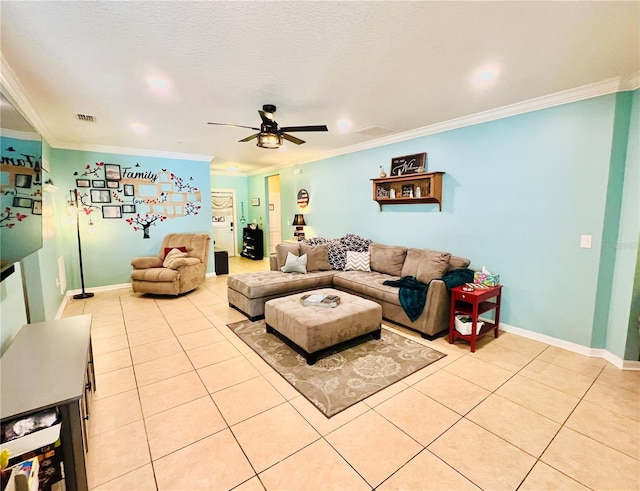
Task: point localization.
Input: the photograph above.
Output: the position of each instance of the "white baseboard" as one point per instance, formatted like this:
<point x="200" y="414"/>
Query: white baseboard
<point x="536" y="336"/>
<point x="575" y="348"/>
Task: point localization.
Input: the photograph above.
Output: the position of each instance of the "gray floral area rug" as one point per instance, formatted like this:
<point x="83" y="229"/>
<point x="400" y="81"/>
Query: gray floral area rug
<point x="344" y="376"/>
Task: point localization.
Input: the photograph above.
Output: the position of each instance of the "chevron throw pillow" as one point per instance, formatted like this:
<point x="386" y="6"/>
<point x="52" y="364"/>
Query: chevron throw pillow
<point x="357" y="261"/>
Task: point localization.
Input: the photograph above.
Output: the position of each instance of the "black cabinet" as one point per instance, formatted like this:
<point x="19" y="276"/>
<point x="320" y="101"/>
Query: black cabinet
<point x="252" y="243"/>
<point x="221" y="261"/>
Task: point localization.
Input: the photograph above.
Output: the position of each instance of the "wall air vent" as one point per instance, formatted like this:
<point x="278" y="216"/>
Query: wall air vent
<point x="374" y="131"/>
<point x="86" y="118"/>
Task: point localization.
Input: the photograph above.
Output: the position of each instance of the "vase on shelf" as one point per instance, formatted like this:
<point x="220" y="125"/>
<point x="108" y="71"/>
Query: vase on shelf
<point x="382" y="173"/>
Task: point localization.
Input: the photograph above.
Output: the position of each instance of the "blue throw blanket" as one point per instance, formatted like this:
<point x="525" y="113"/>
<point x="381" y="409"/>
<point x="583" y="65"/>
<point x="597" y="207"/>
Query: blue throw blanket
<point x="413" y="293"/>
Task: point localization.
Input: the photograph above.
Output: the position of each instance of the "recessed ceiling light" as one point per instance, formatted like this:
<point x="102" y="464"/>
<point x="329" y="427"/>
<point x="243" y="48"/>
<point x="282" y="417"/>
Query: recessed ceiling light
<point x="485" y="76"/>
<point x="158" y="84"/>
<point x="344" y="125"/>
<point x="139" y="128"/>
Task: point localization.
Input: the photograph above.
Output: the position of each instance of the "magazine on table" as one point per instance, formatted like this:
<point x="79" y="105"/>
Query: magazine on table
<point x="320" y="300"/>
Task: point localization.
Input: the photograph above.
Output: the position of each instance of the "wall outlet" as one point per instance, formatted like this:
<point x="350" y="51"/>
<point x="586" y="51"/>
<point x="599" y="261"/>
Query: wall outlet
<point x="585" y="241"/>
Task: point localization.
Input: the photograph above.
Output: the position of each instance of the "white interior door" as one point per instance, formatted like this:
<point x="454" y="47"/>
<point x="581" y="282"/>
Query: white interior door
<point x="223" y="219"/>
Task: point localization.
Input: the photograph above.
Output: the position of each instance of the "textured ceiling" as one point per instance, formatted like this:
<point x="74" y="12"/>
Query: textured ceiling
<point x="399" y="65"/>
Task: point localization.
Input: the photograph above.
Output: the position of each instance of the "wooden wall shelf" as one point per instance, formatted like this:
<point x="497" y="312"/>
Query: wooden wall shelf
<point x="410" y="189"/>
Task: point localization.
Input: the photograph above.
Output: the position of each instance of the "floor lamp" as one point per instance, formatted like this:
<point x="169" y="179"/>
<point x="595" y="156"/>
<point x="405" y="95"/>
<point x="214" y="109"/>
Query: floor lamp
<point x="74" y="202"/>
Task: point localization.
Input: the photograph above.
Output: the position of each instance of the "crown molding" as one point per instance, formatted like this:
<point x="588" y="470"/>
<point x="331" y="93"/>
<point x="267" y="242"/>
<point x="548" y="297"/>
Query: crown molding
<point x="140" y="152"/>
<point x="589" y="91"/>
<point x="630" y="83"/>
<point x="14" y="89"/>
<point x="605" y="87"/>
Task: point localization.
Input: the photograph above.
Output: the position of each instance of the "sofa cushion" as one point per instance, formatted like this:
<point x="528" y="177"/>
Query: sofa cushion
<point x="273" y="283"/>
<point x="171" y="257"/>
<point x="284" y="248"/>
<point x="357" y="261"/>
<point x="368" y="284"/>
<point x="387" y="259"/>
<point x="317" y="257"/>
<point x="425" y="264"/>
<point x="458" y="263"/>
<point x="154" y="274"/>
<point x="295" y="264"/>
<point x="433" y="265"/>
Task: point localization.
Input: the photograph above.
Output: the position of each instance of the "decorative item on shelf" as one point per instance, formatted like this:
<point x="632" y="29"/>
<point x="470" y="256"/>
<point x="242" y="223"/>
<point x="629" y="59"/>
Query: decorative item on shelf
<point x="418" y="192"/>
<point x="242" y="218"/>
<point x="75" y="210"/>
<point x="303" y="198"/>
<point x="299" y="223"/>
<point x="408" y="164"/>
<point x="407" y="190"/>
<point x="382" y="173"/>
<point x="392" y="194"/>
<point x="382" y="192"/>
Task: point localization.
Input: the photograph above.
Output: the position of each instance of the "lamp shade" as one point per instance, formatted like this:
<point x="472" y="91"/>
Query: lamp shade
<point x="269" y="140"/>
<point x="298" y="220"/>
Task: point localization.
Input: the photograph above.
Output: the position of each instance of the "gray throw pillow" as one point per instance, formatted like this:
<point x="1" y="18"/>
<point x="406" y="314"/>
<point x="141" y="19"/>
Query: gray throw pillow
<point x="295" y="264"/>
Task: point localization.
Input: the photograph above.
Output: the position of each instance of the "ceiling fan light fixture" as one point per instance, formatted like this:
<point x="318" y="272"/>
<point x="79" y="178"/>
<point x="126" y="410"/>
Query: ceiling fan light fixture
<point x="269" y="140"/>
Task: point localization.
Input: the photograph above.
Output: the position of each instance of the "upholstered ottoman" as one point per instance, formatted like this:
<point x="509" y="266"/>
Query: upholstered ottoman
<point x="314" y="328"/>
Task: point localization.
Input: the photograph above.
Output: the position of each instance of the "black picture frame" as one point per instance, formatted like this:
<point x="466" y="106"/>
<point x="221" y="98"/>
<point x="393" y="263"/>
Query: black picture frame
<point x="112" y="172"/>
<point x="20" y="202"/>
<point x="408" y="164"/>
<point x="129" y="190"/>
<point x="99" y="183"/>
<point x="100" y="196"/>
<point x="110" y="212"/>
<point x="128" y="208"/>
<point x="83" y="183"/>
<point x="23" y="181"/>
<point x="113" y="184"/>
<point x="36" y="208"/>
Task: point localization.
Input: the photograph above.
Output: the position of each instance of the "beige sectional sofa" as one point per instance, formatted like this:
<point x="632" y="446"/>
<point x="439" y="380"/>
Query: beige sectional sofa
<point x="248" y="292"/>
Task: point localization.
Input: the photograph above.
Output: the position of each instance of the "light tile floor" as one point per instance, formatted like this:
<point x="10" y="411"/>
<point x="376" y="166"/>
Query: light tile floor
<point x="183" y="404"/>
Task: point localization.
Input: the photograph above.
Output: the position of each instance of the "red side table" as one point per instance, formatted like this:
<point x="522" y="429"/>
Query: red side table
<point x="474" y="303"/>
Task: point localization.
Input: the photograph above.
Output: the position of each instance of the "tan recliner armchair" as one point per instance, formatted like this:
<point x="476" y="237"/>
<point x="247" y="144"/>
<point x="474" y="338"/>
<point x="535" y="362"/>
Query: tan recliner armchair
<point x="184" y="274"/>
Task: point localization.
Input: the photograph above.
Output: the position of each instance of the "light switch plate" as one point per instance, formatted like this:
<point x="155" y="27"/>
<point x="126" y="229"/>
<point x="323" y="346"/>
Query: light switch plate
<point x="585" y="241"/>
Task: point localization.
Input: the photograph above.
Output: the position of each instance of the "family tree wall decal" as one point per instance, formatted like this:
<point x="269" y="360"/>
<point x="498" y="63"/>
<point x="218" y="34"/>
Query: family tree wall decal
<point x="148" y="197"/>
<point x="20" y="185"/>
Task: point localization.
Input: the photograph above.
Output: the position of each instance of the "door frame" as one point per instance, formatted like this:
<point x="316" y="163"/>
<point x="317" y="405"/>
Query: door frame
<point x="235" y="216"/>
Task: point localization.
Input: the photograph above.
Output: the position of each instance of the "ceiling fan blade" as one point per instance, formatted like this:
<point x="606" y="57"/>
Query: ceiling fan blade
<point x="249" y="138"/>
<point x="292" y="139"/>
<point x="235" y="126"/>
<point x="267" y="118"/>
<point x="305" y="128"/>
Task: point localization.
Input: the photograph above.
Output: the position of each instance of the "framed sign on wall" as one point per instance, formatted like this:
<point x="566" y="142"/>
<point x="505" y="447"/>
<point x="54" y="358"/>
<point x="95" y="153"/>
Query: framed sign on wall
<point x="408" y="164"/>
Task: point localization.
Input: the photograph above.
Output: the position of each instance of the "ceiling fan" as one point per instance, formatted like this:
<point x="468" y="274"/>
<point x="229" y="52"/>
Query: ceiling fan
<point x="270" y="136"/>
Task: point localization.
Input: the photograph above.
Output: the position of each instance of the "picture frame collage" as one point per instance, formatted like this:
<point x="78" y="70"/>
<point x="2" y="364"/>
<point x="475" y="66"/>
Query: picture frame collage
<point x="100" y="192"/>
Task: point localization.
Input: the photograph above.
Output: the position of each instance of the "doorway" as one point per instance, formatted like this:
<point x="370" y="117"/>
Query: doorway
<point x="273" y="193"/>
<point x="223" y="213"/>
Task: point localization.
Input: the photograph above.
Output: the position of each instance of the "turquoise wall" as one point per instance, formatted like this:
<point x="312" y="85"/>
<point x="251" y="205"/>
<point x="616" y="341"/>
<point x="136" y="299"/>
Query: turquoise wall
<point x="624" y="314"/>
<point x="108" y="250"/>
<point x="518" y="194"/>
